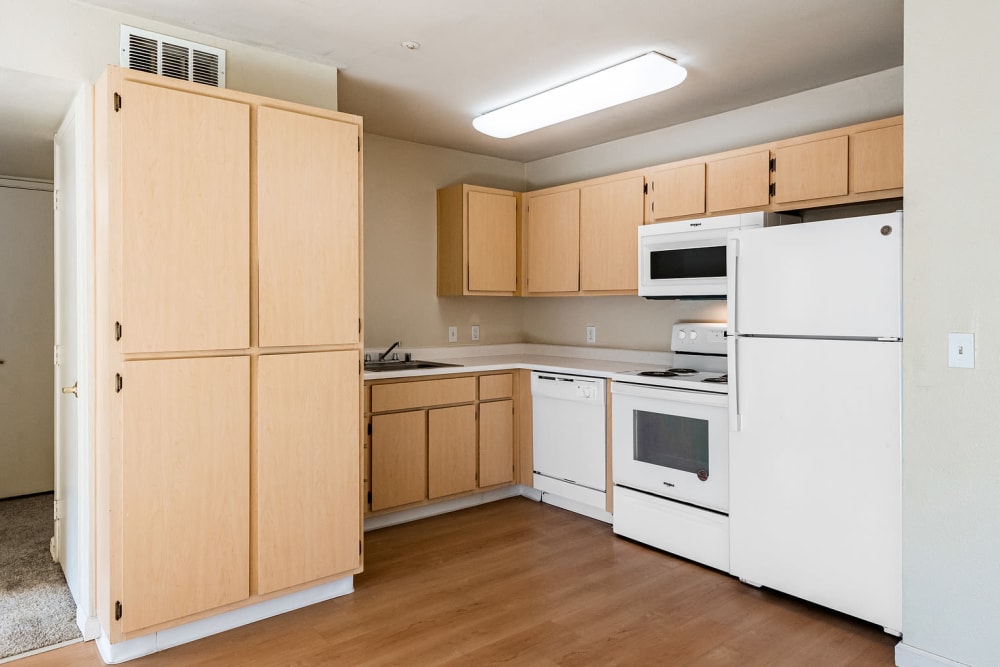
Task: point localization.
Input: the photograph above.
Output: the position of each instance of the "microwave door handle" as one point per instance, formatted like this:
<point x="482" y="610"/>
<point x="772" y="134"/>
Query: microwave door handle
<point x="732" y="345"/>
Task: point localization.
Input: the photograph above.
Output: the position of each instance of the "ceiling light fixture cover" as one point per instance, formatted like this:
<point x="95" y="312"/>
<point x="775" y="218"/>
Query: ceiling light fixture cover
<point x="648" y="74"/>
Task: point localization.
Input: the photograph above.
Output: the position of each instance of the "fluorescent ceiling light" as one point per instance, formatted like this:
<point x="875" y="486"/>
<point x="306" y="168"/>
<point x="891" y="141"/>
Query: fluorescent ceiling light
<point x="630" y="80"/>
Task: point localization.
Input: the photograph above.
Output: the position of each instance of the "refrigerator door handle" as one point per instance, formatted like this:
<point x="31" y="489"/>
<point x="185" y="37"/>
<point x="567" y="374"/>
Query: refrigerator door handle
<point x="732" y="272"/>
<point x="735" y="423"/>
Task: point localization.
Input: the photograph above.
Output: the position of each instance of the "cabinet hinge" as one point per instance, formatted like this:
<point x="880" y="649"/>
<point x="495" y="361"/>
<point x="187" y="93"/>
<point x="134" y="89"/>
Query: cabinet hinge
<point x="771" y="164"/>
<point x="118" y="330"/>
<point x="359" y="325"/>
<point x="369" y="428"/>
<point x="118" y="102"/>
<point x="645" y="188"/>
<point x="369" y="497"/>
<point x="55" y="200"/>
<point x="118" y="382"/>
<point x="770" y="190"/>
<point x="359" y="144"/>
<point x="118" y="610"/>
<point x="359" y="547"/>
<point x="55" y="355"/>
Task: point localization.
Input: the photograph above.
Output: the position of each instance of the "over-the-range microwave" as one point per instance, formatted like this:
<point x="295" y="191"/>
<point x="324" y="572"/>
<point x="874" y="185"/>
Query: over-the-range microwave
<point x="687" y="259"/>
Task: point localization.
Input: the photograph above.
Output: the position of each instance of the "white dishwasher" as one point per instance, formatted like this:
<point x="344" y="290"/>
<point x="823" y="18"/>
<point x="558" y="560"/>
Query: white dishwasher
<point x="569" y="437"/>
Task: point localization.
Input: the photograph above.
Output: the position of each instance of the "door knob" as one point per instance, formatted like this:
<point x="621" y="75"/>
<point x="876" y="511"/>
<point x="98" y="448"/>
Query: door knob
<point x="71" y="390"/>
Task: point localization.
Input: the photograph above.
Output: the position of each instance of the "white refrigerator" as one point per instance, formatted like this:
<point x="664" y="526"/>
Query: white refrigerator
<point x="815" y="337"/>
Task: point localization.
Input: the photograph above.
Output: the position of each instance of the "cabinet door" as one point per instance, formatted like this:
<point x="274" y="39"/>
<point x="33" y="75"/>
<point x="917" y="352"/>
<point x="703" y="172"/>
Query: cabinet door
<point x="811" y="170"/>
<point x="185" y="210"/>
<point x="399" y="459"/>
<point x="496" y="443"/>
<point x="451" y="450"/>
<point x="610" y="215"/>
<point x="554" y="242"/>
<point x="677" y="192"/>
<point x="307" y="468"/>
<point x="492" y="243"/>
<point x="307" y="229"/>
<point x="738" y="182"/>
<point x="185" y="479"/>
<point x="877" y="159"/>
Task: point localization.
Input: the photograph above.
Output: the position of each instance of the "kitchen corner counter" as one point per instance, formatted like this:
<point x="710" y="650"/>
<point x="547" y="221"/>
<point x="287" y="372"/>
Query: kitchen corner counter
<point x="595" y="362"/>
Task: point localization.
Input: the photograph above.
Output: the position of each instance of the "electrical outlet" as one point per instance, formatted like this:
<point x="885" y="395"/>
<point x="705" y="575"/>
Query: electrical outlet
<point x="961" y="350"/>
<point x="591" y="334"/>
<point x="452" y="334"/>
<point x="475" y="332"/>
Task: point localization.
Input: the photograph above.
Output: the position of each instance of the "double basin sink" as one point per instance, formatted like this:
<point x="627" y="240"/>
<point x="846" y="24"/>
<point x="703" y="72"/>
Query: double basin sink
<point x="401" y="365"/>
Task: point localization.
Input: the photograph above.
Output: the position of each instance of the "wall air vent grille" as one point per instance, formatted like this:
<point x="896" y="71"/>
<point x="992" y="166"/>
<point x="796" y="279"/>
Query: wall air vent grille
<point x="169" y="56"/>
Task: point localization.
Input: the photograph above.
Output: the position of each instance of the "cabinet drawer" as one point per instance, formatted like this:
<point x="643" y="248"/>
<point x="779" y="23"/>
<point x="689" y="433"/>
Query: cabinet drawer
<point x="425" y="393"/>
<point x="496" y="386"/>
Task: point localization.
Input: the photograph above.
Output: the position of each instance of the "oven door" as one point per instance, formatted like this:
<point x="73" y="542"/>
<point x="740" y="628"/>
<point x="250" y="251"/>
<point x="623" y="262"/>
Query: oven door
<point x="671" y="443"/>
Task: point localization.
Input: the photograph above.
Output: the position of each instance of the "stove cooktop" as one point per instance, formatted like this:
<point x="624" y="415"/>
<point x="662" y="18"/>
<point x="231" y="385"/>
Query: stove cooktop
<point x="710" y="381"/>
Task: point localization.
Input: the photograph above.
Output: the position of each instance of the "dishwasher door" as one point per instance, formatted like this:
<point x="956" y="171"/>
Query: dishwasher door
<point x="569" y="428"/>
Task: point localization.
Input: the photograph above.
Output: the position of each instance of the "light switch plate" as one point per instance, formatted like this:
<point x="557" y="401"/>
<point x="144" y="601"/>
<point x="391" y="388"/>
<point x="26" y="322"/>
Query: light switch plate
<point x="475" y="332"/>
<point x="591" y="334"/>
<point x="961" y="350"/>
<point x="452" y="334"/>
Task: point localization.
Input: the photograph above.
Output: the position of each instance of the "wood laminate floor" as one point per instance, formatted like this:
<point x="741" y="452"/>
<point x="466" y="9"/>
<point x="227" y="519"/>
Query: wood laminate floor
<point x="521" y="583"/>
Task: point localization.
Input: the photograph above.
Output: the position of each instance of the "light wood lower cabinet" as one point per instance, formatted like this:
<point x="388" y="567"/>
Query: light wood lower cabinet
<point x="399" y="459"/>
<point x="306" y="468"/>
<point x="186" y="488"/>
<point x="451" y="450"/>
<point x="433" y="439"/>
<point x="496" y="443"/>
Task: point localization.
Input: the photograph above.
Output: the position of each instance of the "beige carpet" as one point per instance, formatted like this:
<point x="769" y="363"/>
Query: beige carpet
<point x="36" y="607"/>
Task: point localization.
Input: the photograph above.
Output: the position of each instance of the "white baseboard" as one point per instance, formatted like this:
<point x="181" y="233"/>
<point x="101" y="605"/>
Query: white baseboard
<point x="89" y="626"/>
<point x="189" y="632"/>
<point x="910" y="656"/>
<point x="443" y="507"/>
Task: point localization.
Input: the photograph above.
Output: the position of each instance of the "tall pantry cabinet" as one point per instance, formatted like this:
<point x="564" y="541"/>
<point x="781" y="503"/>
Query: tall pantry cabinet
<point x="228" y="349"/>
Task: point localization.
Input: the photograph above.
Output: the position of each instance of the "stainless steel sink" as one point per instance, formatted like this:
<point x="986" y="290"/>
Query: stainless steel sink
<point x="412" y="365"/>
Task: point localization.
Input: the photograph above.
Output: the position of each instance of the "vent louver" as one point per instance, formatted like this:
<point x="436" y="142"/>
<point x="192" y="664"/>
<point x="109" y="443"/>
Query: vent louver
<point x="169" y="56"/>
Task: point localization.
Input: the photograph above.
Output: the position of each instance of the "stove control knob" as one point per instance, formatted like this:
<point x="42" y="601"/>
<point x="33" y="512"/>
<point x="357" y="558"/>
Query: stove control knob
<point x="682" y="334"/>
<point x="694" y="334"/>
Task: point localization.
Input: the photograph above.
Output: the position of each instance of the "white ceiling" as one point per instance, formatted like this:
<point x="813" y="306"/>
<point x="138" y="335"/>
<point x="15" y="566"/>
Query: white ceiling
<point x="476" y="56"/>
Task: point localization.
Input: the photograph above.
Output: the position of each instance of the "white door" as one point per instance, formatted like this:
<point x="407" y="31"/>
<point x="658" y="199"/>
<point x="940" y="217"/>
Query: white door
<point x="26" y="324"/>
<point x="815" y="454"/>
<point x="835" y="278"/>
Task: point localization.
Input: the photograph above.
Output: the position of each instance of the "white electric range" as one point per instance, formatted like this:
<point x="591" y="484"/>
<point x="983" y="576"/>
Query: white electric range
<point x="670" y="449"/>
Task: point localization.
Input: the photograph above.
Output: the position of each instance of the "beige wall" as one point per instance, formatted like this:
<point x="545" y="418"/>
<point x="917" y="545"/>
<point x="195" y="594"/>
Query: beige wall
<point x="73" y="41"/>
<point x="401" y="181"/>
<point x="26" y="338"/>
<point x="951" y="437"/>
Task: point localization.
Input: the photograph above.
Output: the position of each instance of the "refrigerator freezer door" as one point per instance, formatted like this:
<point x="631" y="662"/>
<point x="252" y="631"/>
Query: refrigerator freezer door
<point x="815" y="473"/>
<point x="835" y="278"/>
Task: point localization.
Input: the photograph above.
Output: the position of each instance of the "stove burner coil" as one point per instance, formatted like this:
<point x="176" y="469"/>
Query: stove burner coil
<point x="722" y="379"/>
<point x="659" y="374"/>
<point x="682" y="371"/>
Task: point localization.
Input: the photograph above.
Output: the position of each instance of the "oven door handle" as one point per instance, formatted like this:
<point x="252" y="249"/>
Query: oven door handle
<point x="732" y="349"/>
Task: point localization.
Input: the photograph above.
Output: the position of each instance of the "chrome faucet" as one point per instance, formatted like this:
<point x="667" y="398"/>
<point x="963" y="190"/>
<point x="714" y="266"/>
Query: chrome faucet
<point x="383" y="355"/>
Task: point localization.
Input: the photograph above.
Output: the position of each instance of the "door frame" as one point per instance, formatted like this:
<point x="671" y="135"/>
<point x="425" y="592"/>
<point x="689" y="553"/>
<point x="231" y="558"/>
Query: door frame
<point x="80" y="117"/>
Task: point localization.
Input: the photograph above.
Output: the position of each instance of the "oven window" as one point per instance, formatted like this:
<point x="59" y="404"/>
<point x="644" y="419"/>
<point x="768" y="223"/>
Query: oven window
<point x="670" y="441"/>
<point x="707" y="262"/>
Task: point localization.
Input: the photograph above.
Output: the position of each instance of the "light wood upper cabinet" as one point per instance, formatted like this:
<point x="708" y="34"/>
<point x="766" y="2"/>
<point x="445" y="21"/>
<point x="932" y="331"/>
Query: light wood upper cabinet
<point x="553" y="241"/>
<point x="676" y="192"/>
<point x="307" y="229"/>
<point x="307" y="463"/>
<point x="477" y="241"/>
<point x="810" y="170"/>
<point x="610" y="215"/>
<point x="877" y="159"/>
<point x="738" y="182"/>
<point x="399" y="459"/>
<point x="451" y="450"/>
<point x="496" y="443"/>
<point x="186" y="486"/>
<point x="185" y="202"/>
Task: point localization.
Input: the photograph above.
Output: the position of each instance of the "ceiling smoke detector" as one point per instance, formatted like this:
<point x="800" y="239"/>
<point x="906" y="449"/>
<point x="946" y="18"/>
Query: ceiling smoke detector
<point x="412" y="46"/>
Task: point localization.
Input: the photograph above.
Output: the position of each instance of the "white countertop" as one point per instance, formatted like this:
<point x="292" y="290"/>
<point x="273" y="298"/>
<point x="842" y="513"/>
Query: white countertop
<point x="591" y="361"/>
